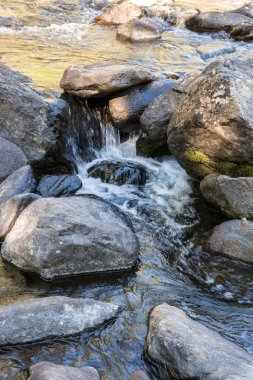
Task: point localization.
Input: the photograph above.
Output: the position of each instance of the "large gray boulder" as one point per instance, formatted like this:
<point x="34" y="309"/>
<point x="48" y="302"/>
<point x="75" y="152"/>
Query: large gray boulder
<point x="67" y="236"/>
<point x="26" y="119"/>
<point x="50" y="371"/>
<point x="11" y="158"/>
<point x="10" y="211"/>
<point x="233" y="239"/>
<point x="234" y="196"/>
<point x="246" y="10"/>
<point x="19" y="182"/>
<point x="215" y="21"/>
<point x="212" y="129"/>
<point x="40" y="318"/>
<point x="102" y="79"/>
<point x="127" y="107"/>
<point x="190" y="350"/>
<point x="143" y="30"/>
<point x="119" y="14"/>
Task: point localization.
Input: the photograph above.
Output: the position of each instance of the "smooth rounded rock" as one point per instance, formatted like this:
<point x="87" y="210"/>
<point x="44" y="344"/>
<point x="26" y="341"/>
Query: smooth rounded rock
<point x="119" y="14"/>
<point x="211" y="130"/>
<point x="58" y="185"/>
<point x="11" y="158"/>
<point x="57" y="237"/>
<point x="102" y="79"/>
<point x="56" y="316"/>
<point x="50" y="371"/>
<point x="143" y="30"/>
<point x="190" y="350"/>
<point x="20" y="182"/>
<point x="233" y="239"/>
<point x="234" y="196"/>
<point x="119" y="172"/>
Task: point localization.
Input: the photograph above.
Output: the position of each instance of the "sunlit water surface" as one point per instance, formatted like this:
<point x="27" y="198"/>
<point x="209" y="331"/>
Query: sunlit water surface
<point x="167" y="213"/>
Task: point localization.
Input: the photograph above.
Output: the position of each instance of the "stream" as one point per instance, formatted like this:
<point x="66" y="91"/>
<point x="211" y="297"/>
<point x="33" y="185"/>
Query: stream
<point x="168" y="213"/>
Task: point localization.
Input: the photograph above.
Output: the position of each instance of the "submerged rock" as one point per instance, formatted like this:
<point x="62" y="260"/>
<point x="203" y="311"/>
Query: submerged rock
<point x="67" y="236"/>
<point x="243" y="32"/>
<point x="234" y="196"/>
<point x="139" y="375"/>
<point x="40" y="318"/>
<point x="143" y="30"/>
<point x="119" y="14"/>
<point x="47" y="371"/>
<point x="58" y="185"/>
<point x="11" y="158"/>
<point x="11" y="22"/>
<point x="19" y="182"/>
<point x="127" y="107"/>
<point x="233" y="239"/>
<point x="212" y="129"/>
<point x="11" y="370"/>
<point x="10" y="211"/>
<point x="102" y="79"/>
<point x="215" y="21"/>
<point x="190" y="350"/>
<point x="119" y="172"/>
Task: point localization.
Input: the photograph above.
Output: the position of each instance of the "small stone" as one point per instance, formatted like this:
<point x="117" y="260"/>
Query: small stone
<point x="143" y="30"/>
<point x="58" y="185"/>
<point x="50" y="371"/>
<point x="119" y="14"/>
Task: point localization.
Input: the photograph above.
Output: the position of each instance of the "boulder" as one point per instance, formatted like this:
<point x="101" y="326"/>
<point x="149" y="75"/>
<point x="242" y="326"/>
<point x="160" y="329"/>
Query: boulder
<point x="10" y="211"/>
<point x="246" y="10"/>
<point x="215" y="21"/>
<point x="234" y="196"/>
<point x="127" y="107"/>
<point x="11" y="158"/>
<point x="143" y="30"/>
<point x="119" y="14"/>
<point x="233" y="239"/>
<point x="119" y="172"/>
<point x="190" y="350"/>
<point x="19" y="182"/>
<point x="58" y="185"/>
<point x="26" y="119"/>
<point x="50" y="371"/>
<point x="56" y="316"/>
<point x="57" y="237"/>
<point x="211" y="131"/>
<point x="243" y="32"/>
<point x="155" y="118"/>
<point x="102" y="79"/>
<point x="139" y="375"/>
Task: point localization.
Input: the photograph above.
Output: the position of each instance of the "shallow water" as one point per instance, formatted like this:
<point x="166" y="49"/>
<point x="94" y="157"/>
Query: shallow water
<point x="168" y="214"/>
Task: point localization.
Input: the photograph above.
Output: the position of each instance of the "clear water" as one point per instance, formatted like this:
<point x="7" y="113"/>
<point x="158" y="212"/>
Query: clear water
<point x="168" y="214"/>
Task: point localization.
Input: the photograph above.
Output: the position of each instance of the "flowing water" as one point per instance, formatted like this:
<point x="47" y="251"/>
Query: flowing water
<point x="168" y="214"/>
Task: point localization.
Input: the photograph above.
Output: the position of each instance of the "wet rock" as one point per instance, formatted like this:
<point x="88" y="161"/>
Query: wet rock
<point x="234" y="196"/>
<point x="47" y="370"/>
<point x="246" y="10"/>
<point x="155" y="119"/>
<point x="119" y="14"/>
<point x="67" y="236"/>
<point x="215" y="21"/>
<point x="209" y="51"/>
<point x="233" y="239"/>
<point x="100" y="80"/>
<point x="26" y="119"/>
<point x="211" y="131"/>
<point x="139" y="375"/>
<point x="11" y="370"/>
<point x="128" y="106"/>
<point x="58" y="185"/>
<point x="243" y="32"/>
<point x="119" y="172"/>
<point x="190" y="350"/>
<point x="10" y="22"/>
<point x="149" y="148"/>
<point x="40" y="318"/>
<point x="20" y="182"/>
<point x="144" y="30"/>
<point x="10" y="211"/>
<point x="11" y="158"/>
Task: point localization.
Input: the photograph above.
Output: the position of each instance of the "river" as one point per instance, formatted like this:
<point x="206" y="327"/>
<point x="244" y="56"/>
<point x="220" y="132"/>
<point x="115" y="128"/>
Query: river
<point x="168" y="213"/>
